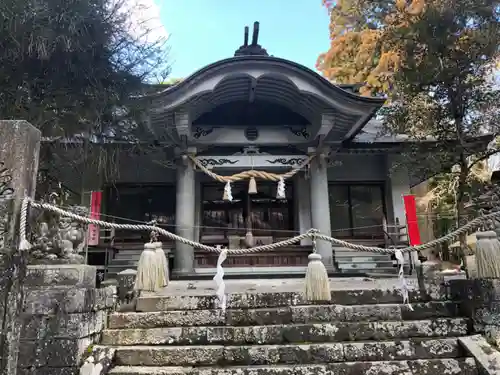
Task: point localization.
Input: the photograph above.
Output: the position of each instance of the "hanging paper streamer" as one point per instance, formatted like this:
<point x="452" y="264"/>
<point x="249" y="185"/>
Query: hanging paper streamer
<point x="219" y="280"/>
<point x="401" y="274"/>
<point x="280" y="194"/>
<point x="252" y="186"/>
<point x="228" y="195"/>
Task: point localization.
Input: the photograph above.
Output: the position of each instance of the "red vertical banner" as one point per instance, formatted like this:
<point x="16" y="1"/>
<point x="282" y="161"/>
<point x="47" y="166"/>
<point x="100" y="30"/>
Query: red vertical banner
<point x="95" y="213"/>
<point x="411" y="219"/>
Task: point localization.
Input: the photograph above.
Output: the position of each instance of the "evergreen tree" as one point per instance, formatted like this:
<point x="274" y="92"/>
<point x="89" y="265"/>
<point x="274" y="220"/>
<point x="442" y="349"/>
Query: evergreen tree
<point x="75" y="69"/>
<point x="435" y="60"/>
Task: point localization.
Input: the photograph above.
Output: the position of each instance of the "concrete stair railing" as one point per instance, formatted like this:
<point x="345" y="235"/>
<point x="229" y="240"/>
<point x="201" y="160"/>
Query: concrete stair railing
<point x="359" y="332"/>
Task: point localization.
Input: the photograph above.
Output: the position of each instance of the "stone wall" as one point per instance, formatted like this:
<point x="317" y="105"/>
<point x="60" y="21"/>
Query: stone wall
<point x="63" y="317"/>
<point x="480" y="300"/>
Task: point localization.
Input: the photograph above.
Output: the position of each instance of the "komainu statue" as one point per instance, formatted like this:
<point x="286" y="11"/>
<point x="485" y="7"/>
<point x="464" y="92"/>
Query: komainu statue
<point x="57" y="239"/>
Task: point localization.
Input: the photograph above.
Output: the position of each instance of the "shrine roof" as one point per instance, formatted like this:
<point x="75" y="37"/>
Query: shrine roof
<point x="252" y="60"/>
<point x="283" y="75"/>
<point x="254" y="89"/>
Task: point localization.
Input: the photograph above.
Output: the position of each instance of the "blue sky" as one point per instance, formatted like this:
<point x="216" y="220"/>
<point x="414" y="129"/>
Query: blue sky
<point x="204" y="31"/>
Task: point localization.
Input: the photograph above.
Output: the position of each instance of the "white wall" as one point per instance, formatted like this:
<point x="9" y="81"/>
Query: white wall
<point x="398" y="182"/>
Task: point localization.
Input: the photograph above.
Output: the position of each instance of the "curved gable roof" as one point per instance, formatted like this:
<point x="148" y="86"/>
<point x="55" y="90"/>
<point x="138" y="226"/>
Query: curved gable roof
<point x="304" y="79"/>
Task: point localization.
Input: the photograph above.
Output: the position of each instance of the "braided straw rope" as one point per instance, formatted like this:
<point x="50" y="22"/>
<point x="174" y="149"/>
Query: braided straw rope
<point x="251" y="173"/>
<point x="312" y="233"/>
<point x="473" y="224"/>
<point x="170" y="235"/>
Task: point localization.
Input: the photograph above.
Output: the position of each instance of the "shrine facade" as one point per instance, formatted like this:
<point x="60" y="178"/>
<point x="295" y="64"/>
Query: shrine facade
<point x="263" y="113"/>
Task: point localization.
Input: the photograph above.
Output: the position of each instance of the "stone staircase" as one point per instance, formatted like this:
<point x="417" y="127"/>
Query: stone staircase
<point x="350" y="261"/>
<point x="270" y="330"/>
<point x="124" y="259"/>
<point x="128" y="257"/>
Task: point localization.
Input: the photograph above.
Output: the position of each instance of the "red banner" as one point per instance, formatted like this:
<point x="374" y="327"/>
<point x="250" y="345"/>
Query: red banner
<point x="412" y="220"/>
<point x="95" y="213"/>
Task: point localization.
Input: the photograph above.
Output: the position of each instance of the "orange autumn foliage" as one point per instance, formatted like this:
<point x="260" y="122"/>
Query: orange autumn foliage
<point x="363" y="48"/>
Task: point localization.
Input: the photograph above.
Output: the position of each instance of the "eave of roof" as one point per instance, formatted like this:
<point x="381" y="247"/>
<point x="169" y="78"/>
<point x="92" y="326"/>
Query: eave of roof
<point x="395" y="142"/>
<point x="346" y="90"/>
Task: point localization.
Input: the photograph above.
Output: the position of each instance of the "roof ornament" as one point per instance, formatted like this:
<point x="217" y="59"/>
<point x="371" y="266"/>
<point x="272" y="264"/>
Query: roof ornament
<point x="253" y="49"/>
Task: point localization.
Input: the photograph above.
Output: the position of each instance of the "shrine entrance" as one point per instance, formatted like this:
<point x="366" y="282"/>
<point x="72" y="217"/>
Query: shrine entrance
<point x="268" y="218"/>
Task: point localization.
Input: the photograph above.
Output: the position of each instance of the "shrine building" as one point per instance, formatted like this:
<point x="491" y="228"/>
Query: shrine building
<point x="257" y="112"/>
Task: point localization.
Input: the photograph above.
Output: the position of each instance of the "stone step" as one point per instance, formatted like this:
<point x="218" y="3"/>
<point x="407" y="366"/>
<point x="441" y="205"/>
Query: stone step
<point x="448" y="366"/>
<point x="111" y="276"/>
<point x="114" y="266"/>
<point x="353" y="257"/>
<point x="114" y="269"/>
<point x="370" y="270"/>
<point x="210" y="355"/>
<point x="352" y="265"/>
<point x="283" y="315"/>
<point x="342" y="251"/>
<point x="134" y="254"/>
<point x="127" y="256"/>
<point x="284" y="334"/>
<point x="124" y="262"/>
<point x="156" y="302"/>
<point x="131" y="250"/>
<point x="363" y="259"/>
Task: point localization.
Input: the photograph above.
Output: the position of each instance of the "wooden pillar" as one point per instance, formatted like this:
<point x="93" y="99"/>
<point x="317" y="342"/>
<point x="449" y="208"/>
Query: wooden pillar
<point x="184" y="217"/>
<point x="302" y="193"/>
<point x="320" y="208"/>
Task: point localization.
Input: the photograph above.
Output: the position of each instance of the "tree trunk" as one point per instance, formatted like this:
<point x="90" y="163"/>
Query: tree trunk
<point x="460" y="206"/>
<point x="458" y="111"/>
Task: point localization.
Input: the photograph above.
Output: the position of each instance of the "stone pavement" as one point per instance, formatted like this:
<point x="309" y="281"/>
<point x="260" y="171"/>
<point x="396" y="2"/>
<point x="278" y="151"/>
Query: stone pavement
<point x="208" y="287"/>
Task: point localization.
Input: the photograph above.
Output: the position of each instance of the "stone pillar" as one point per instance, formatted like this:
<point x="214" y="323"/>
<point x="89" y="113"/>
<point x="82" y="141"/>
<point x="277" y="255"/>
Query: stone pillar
<point x="320" y="208"/>
<point x="185" y="217"/>
<point x="19" y="150"/>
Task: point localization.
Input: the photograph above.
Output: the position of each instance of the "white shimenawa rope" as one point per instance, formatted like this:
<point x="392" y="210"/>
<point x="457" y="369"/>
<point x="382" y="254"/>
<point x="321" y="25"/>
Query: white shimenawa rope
<point x="24" y="244"/>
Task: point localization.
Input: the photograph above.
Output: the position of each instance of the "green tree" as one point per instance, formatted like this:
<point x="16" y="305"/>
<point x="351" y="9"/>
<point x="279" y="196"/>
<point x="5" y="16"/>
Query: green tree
<point x="73" y="68"/>
<point x="434" y="59"/>
<point x="172" y="81"/>
<point x="67" y="65"/>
